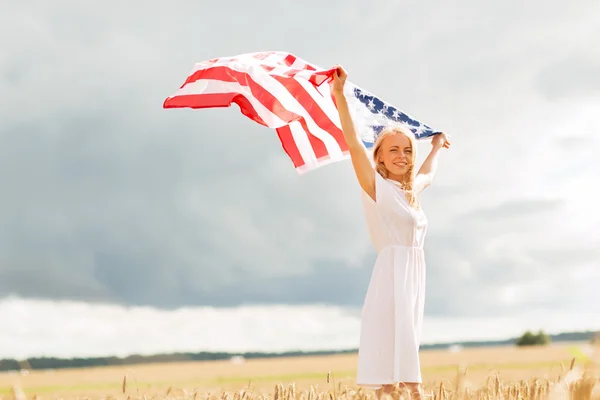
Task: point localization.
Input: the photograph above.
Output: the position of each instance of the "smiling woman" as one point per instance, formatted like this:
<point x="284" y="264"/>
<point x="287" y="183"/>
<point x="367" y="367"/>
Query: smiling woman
<point x="394" y="305"/>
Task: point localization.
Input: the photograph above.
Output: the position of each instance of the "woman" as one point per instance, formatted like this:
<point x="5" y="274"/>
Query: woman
<point x="393" y="309"/>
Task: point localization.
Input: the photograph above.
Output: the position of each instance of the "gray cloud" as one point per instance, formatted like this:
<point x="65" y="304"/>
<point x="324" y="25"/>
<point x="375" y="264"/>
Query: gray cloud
<point x="106" y="196"/>
<point x="502" y="260"/>
<point x="575" y="75"/>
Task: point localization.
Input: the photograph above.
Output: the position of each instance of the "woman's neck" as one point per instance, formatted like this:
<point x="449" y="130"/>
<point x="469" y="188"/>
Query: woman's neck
<point x="399" y="179"/>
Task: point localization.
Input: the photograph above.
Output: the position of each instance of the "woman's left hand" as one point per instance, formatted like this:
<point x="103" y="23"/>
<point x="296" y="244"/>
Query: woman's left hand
<point x="440" y="140"/>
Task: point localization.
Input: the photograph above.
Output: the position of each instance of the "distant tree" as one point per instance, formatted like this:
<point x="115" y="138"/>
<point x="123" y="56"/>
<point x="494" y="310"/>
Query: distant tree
<point x="533" y="339"/>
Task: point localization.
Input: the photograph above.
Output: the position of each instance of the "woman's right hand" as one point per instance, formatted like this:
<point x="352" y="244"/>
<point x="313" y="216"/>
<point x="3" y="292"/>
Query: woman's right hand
<point x="339" y="79"/>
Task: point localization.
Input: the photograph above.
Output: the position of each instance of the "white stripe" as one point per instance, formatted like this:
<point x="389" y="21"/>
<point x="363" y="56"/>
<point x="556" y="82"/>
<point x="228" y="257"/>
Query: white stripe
<point x="206" y="65"/>
<point x="270" y="84"/>
<point x="320" y="163"/>
<point x="249" y="59"/>
<point x="306" y="63"/>
<point x="273" y="59"/>
<point x="305" y="74"/>
<point x="212" y="86"/>
<point x="298" y="64"/>
<point x="224" y="61"/>
<point x="303" y="144"/>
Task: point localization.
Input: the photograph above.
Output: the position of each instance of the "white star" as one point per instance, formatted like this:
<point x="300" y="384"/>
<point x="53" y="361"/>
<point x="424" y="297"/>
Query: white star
<point x="419" y="129"/>
<point x="371" y="105"/>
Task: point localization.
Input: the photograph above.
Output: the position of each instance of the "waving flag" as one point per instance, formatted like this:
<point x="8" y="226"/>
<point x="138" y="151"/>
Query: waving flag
<point x="283" y="92"/>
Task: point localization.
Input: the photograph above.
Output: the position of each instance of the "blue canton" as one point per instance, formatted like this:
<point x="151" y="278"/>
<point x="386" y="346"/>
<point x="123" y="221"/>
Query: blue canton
<point x="385" y="114"/>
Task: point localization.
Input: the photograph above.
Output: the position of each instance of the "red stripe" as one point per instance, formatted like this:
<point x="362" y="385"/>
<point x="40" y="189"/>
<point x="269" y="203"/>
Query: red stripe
<point x="207" y="73"/>
<point x="316" y="79"/>
<point x="289" y="60"/>
<point x="317" y="144"/>
<point x="319" y="77"/>
<point x="289" y="145"/>
<point x="315" y="111"/>
<point x="262" y="55"/>
<point x="214" y="100"/>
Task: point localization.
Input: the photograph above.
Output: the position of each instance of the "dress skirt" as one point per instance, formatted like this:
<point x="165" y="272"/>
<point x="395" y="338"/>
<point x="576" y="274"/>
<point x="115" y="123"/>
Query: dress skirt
<point x="392" y="319"/>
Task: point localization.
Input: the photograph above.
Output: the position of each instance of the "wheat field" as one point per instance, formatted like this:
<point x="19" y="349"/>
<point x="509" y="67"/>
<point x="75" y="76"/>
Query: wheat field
<point x="557" y="371"/>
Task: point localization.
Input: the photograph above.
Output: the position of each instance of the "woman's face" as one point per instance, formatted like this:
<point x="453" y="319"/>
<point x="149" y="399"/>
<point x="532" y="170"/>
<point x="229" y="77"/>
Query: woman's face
<point x="396" y="154"/>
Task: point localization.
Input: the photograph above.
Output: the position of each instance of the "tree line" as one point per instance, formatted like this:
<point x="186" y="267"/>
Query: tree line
<point x="527" y="339"/>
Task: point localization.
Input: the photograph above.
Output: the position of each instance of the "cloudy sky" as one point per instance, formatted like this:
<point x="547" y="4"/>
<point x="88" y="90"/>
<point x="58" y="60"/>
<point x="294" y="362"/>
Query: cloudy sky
<point x="114" y="209"/>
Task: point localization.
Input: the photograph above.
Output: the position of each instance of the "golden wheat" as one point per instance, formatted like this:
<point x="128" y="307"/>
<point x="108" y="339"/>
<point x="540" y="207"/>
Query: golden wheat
<point x="578" y="383"/>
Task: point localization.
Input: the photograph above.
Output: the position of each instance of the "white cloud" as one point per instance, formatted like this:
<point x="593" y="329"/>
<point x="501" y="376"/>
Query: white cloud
<point x="77" y="329"/>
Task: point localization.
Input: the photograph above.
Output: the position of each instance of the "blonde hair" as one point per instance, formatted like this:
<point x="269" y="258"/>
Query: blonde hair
<point x="408" y="180"/>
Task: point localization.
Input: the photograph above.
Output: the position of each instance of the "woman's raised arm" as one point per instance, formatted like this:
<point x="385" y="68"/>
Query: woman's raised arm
<point x="427" y="171"/>
<point x="358" y="153"/>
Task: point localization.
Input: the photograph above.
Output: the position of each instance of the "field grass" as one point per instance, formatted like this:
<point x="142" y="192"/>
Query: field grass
<point x="294" y="378"/>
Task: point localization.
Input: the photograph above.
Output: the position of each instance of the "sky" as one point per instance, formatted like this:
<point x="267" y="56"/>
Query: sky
<point x="116" y="210"/>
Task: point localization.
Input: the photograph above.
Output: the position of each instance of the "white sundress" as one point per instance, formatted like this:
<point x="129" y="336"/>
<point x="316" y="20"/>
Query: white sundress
<point x="392" y="314"/>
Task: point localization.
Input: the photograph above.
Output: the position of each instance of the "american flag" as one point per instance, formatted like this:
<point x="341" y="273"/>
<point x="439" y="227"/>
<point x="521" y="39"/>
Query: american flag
<point x="283" y="92"/>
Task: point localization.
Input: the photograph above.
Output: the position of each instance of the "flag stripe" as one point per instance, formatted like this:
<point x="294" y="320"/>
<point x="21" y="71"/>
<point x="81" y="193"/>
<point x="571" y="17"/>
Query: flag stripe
<point x="289" y="60"/>
<point x="319" y="148"/>
<point x="289" y="145"/>
<point x="301" y="137"/>
<point x="215" y="100"/>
